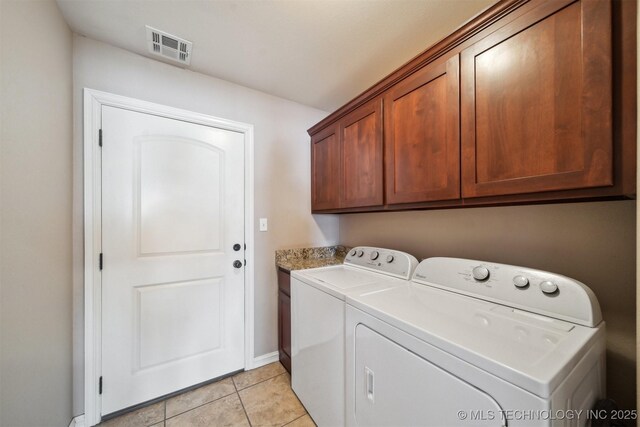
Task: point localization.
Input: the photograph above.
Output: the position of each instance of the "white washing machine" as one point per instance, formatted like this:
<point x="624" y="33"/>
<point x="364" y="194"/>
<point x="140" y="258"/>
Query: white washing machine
<point x="470" y="343"/>
<point x="318" y="324"/>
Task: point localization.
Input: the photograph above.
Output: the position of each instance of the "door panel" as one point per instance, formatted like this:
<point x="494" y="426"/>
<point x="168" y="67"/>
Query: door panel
<point x="187" y="313"/>
<point x="395" y="387"/>
<point x="361" y="155"/>
<point x="172" y="302"/>
<point x="536" y="103"/>
<point x="422" y="136"/>
<point x="187" y="198"/>
<point x="325" y="170"/>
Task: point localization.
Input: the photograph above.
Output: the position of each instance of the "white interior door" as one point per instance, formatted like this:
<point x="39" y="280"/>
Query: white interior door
<point x="172" y="300"/>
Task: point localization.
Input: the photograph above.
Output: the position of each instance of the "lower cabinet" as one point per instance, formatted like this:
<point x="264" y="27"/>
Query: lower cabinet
<point x="284" y="318"/>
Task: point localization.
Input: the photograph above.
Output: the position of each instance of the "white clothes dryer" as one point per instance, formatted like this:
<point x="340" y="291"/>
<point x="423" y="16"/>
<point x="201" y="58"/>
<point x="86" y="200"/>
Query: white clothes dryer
<point x="471" y="343"/>
<point x="317" y="324"/>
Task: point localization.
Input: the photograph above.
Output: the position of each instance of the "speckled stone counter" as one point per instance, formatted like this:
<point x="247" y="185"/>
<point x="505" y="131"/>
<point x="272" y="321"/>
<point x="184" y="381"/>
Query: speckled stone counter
<point x="301" y="258"/>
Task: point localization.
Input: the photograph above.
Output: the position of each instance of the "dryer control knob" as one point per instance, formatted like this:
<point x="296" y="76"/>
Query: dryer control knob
<point x="360" y="253"/>
<point x="480" y="273"/>
<point x="353" y="252"/>
<point x="374" y="255"/>
<point x="548" y="287"/>
<point x="390" y="259"/>
<point x="520" y="282"/>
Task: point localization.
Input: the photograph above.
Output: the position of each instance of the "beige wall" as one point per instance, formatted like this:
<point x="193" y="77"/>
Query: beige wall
<point x="281" y="165"/>
<point x="591" y="242"/>
<point x="35" y="209"/>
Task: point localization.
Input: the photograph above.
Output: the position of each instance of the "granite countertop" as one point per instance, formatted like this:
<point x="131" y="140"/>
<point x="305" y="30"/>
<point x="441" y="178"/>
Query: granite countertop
<point x="301" y="258"/>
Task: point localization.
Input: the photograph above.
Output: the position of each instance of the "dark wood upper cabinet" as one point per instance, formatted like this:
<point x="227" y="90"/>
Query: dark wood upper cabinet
<point x="536" y="103"/>
<point x="325" y="169"/>
<point x="422" y="137"/>
<point x="361" y="157"/>
<point x="530" y="101"/>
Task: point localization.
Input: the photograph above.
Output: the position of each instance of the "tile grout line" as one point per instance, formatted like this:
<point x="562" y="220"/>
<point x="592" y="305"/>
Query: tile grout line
<point x="260" y="382"/>
<point x="221" y="397"/>
<point x="276" y="376"/>
<point x="244" y="410"/>
<point x="201" y="405"/>
<point x="294" y="420"/>
<point x="241" y="402"/>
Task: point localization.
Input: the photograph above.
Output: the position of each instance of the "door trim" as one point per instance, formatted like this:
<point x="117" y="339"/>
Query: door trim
<point x="93" y="102"/>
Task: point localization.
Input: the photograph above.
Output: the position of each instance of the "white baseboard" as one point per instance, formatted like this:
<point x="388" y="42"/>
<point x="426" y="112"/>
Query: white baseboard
<point x="77" y="421"/>
<point x="265" y="359"/>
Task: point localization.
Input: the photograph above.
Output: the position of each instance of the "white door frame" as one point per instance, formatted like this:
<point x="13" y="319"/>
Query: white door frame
<point x="93" y="102"/>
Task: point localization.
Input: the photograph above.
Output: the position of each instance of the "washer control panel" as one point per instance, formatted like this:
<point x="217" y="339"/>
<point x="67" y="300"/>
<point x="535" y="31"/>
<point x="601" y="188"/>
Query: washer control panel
<point x="387" y="261"/>
<point x="524" y="288"/>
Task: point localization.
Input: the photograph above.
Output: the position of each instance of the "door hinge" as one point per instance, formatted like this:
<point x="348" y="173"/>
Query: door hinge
<point x="100" y="137"/>
<point x="100" y="261"/>
<point x="100" y="386"/>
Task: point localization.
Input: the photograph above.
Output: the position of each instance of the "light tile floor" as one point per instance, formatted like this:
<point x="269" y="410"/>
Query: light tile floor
<point x="260" y="397"/>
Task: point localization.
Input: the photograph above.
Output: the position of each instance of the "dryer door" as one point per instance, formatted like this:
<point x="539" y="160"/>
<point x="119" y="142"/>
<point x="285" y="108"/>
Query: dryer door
<point x="396" y="387"/>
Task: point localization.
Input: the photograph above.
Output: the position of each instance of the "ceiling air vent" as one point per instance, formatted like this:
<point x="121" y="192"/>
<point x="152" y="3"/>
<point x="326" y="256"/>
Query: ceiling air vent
<point x="168" y="46"/>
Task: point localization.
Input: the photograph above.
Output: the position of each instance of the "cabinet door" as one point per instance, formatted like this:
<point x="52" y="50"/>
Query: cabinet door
<point x="422" y="136"/>
<point x="284" y="323"/>
<point x="361" y="156"/>
<point x="284" y="281"/>
<point x="536" y="102"/>
<point x="325" y="169"/>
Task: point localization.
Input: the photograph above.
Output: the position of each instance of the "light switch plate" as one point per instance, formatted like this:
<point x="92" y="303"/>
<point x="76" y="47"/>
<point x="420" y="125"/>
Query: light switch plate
<point x="263" y="224"/>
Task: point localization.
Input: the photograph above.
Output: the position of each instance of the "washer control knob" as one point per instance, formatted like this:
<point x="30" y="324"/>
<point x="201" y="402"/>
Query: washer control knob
<point x="480" y="273"/>
<point x="360" y="253"/>
<point x="374" y="255"/>
<point x="353" y="252"/>
<point x="548" y="287"/>
<point x="520" y="282"/>
<point x="390" y="259"/>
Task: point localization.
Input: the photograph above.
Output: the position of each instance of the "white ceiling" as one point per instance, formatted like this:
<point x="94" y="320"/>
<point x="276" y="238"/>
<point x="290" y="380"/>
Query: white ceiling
<point x="320" y="53"/>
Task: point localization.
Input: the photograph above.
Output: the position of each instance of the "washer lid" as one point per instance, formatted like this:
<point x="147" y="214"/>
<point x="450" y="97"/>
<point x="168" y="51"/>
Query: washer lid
<point x="529" y="350"/>
<point x="339" y="280"/>
<point x="343" y="278"/>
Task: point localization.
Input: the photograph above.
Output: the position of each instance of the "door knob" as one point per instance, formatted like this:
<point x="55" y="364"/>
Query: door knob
<point x="237" y="247"/>
<point x="237" y="263"/>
